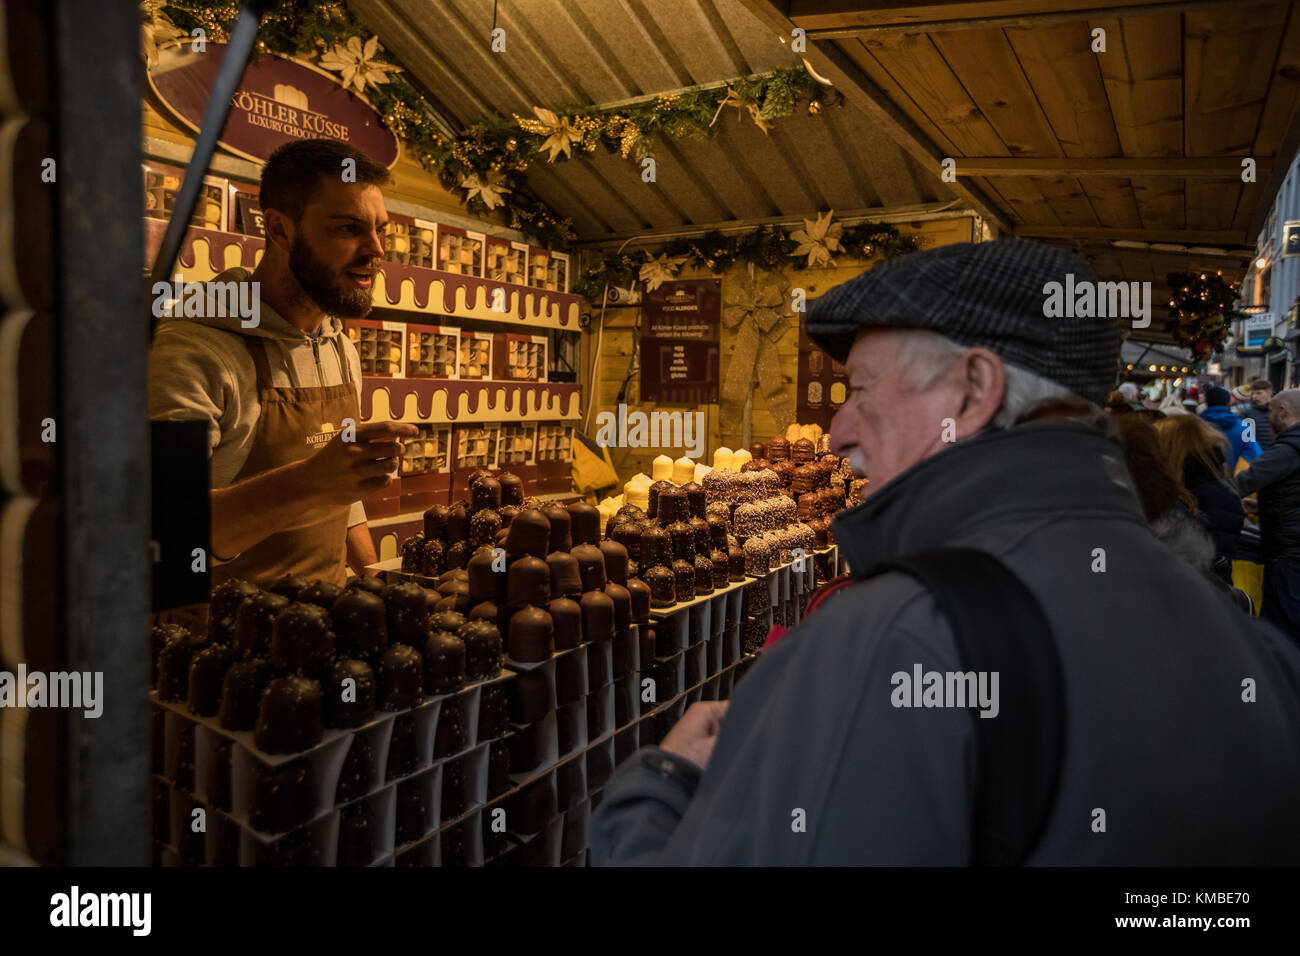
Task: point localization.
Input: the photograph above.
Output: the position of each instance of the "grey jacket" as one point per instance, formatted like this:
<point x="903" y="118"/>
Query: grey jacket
<point x="1158" y="736"/>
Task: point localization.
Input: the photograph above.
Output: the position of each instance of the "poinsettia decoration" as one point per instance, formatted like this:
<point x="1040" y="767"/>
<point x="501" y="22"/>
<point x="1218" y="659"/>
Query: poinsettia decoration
<point x="818" y="239"/>
<point x="491" y="192"/>
<point x="156" y="30"/>
<point x="357" y="65"/>
<point x="561" y="135"/>
<point x="657" y="271"/>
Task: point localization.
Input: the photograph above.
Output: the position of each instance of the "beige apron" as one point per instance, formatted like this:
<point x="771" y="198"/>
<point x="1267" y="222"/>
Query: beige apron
<point x="290" y="429"/>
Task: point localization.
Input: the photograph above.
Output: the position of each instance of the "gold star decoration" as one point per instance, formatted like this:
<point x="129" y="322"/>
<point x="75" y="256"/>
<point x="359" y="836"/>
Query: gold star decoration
<point x="657" y="271"/>
<point x="818" y="239"/>
<point x="491" y="192"/>
<point x="155" y="30"/>
<point x="561" y="135"/>
<point x="357" y="64"/>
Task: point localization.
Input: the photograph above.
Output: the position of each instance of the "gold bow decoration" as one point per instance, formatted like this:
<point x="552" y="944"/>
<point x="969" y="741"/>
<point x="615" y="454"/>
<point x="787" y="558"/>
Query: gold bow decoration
<point x="561" y="135"/>
<point x="755" y="312"/>
<point x="491" y="192"/>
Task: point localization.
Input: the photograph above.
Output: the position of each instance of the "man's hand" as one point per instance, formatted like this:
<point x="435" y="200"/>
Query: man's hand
<point x="1250" y="506"/>
<point x="345" y="471"/>
<point x="695" y="734"/>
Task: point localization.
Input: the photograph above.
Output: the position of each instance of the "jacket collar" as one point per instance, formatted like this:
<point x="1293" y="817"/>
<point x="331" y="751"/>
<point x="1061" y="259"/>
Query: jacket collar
<point x="1034" y="469"/>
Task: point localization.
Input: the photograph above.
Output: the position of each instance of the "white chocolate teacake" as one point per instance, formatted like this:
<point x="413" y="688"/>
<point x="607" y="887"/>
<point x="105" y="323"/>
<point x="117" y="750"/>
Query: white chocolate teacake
<point x="722" y="458"/>
<point x="661" y="469"/>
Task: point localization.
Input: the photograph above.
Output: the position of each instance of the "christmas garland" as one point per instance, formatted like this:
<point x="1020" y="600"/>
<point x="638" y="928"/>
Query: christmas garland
<point x="766" y="247"/>
<point x="487" y="160"/>
<point x="1203" y="305"/>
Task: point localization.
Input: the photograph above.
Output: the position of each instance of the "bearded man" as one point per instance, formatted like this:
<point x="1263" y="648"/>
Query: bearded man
<point x="280" y="391"/>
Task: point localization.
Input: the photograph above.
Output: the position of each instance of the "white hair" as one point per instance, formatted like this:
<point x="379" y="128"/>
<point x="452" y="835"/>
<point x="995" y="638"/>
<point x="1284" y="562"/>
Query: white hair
<point x="1129" y="390"/>
<point x="926" y="354"/>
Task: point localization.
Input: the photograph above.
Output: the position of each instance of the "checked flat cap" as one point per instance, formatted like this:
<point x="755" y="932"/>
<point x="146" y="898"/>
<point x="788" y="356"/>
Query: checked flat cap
<point x="990" y="294"/>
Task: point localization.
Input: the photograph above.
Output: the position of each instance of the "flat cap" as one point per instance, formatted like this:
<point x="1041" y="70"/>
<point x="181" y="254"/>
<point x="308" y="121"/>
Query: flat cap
<point x="994" y="294"/>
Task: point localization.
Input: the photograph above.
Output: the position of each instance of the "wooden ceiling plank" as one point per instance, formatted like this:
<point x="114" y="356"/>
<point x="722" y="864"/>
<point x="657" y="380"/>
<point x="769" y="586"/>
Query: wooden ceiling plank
<point x="1068" y="200"/>
<point x="1208" y="236"/>
<point x="990" y="73"/>
<point x="1114" y="202"/>
<point x="1022" y="196"/>
<point x="915" y="62"/>
<point x="1063" y="71"/>
<point x="1197" y="167"/>
<point x="1283" y="97"/>
<point x="1142" y="71"/>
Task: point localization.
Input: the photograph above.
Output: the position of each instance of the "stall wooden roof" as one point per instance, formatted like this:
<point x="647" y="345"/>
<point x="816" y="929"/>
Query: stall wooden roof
<point x="1139" y="145"/>
<point x="566" y="52"/>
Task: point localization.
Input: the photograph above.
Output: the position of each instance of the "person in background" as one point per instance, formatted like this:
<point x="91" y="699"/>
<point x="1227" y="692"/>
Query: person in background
<point x="1217" y="413"/>
<point x="1194" y="450"/>
<point x="1261" y="391"/>
<point x="1132" y="394"/>
<point x="1275" y="475"/>
<point x="1240" y="399"/>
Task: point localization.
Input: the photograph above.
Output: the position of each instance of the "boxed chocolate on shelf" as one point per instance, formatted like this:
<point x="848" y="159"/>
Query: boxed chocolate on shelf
<point x="554" y="457"/>
<point x="475" y="355"/>
<point x="548" y="270"/>
<point x="410" y="241"/>
<point x="520" y="358"/>
<point x="506" y="261"/>
<point x="460" y="252"/>
<point x="161" y="184"/>
<point x="432" y="351"/>
<point x="474" y="446"/>
<point x="429" y="452"/>
<point x="379" y="345"/>
<point x="518" y="445"/>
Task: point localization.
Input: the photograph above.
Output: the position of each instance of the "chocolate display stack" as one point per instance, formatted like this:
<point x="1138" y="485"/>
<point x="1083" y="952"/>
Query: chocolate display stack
<point x="274" y="722"/>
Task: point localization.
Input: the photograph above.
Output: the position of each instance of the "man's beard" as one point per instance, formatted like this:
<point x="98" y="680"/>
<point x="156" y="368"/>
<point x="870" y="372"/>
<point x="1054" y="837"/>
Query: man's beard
<point x="325" y="287"/>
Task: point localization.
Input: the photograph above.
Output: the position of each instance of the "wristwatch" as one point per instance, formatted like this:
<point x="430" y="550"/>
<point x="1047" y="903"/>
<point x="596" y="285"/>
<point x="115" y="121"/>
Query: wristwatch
<point x="672" y="767"/>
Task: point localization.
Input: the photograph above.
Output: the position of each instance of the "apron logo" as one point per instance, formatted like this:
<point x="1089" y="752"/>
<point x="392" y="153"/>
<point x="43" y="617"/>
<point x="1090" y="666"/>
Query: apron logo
<point x="322" y="437"/>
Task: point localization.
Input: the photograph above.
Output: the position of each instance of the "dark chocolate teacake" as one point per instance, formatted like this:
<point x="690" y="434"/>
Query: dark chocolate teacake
<point x="639" y="593"/>
<point x="616" y="560"/>
<point x="160" y="635"/>
<point x="302" y="640"/>
<point x="566" y="615"/>
<point x="241" y="690"/>
<point x="487" y="576"/>
<point x="435" y="522"/>
<point x="656" y="548"/>
<point x="597" y="616"/>
<point x="512" y="488"/>
<point x="531" y="636"/>
<point x="695" y="499"/>
<point x="530" y="533"/>
<point x="703" y="536"/>
<point x="591" y="566"/>
<point x="254" y="622"/>
<point x="444" y="663"/>
<point x="350" y="693"/>
<point x="400" y="677"/>
<point x="703" y="575"/>
<point x="584" y="523"/>
<point x="673" y="506"/>
<point x="289" y="716"/>
<point x="447" y="621"/>
<point x="458" y="522"/>
<point x="226" y="599"/>
<point x="566" y="579"/>
<point x="208" y="669"/>
<point x="561" y="528"/>
<point x="360" y="624"/>
<point x="483" y="650"/>
<point x="433" y="559"/>
<point x="682" y="537"/>
<point x="485" y="494"/>
<point x="484" y="526"/>
<point x="370" y="583"/>
<point x="174" y="665"/>
<point x="663" y="585"/>
<point x="408" y="612"/>
<point x="458" y="553"/>
<point x="289" y="586"/>
<point x="684" y="575"/>
<point x="412" y="552"/>
<point x="622" y="599"/>
<point x="528" y="582"/>
<point x="321" y="593"/>
<point x="652" y="496"/>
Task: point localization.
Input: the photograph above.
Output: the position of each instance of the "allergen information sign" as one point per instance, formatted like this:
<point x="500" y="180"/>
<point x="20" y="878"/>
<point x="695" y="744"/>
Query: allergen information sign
<point x="679" y="342"/>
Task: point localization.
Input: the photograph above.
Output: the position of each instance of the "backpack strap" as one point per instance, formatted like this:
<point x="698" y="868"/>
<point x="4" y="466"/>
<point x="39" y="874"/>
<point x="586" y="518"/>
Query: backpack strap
<point x="998" y="625"/>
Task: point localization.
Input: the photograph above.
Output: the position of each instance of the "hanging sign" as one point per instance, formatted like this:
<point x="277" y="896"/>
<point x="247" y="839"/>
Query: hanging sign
<point x="679" y="342"/>
<point x="823" y="384"/>
<point x="278" y="100"/>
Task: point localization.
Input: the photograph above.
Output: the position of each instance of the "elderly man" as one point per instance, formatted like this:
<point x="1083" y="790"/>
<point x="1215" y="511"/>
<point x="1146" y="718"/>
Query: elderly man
<point x="1179" y="741"/>
<point x="1276" y="476"/>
